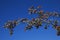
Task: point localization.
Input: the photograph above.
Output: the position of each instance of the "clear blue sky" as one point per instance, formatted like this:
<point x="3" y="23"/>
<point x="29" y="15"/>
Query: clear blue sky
<point x="12" y="9"/>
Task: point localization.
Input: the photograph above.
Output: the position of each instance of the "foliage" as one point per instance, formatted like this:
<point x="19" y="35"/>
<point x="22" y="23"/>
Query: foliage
<point x="43" y="17"/>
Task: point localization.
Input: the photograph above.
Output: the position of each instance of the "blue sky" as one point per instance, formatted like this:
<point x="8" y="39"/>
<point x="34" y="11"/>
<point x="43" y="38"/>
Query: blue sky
<point x="12" y="9"/>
